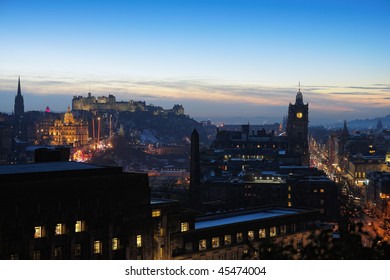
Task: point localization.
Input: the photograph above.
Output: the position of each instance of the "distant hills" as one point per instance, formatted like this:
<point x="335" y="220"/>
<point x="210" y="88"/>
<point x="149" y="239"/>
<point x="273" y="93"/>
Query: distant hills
<point x="360" y="124"/>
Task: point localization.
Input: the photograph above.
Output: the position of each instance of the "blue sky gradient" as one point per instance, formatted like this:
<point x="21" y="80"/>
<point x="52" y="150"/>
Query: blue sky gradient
<point x="222" y="59"/>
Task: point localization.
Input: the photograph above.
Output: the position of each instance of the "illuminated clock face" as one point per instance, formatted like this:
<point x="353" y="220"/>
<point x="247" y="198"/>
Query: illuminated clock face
<point x="299" y="115"/>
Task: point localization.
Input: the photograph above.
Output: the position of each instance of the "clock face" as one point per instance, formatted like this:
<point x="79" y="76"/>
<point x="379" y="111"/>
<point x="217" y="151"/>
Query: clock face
<point x="299" y="115"/>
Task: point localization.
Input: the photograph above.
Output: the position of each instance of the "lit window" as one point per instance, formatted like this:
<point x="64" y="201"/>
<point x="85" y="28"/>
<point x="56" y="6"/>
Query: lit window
<point x="215" y="242"/>
<point x="115" y="244"/>
<point x="322" y="190"/>
<point x="139" y="241"/>
<point x="251" y="235"/>
<point x="202" y="244"/>
<point x="228" y="239"/>
<point x="289" y="204"/>
<point x="272" y="231"/>
<point x="184" y="227"/>
<point x="239" y="237"/>
<point x="39" y="232"/>
<point x="262" y="233"/>
<point x="315" y="190"/>
<point x="79" y="226"/>
<point x="289" y="196"/>
<point x="156" y="213"/>
<point x="97" y="247"/>
<point x="289" y="188"/>
<point x="60" y="229"/>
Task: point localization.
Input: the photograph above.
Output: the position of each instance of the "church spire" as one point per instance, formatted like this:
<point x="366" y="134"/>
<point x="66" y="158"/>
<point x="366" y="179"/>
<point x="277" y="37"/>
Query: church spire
<point x="19" y="90"/>
<point x="19" y="103"/>
<point x="299" y="98"/>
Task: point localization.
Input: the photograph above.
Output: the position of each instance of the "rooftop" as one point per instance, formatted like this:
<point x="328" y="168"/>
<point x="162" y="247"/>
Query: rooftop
<point x="9" y="169"/>
<point x="245" y="217"/>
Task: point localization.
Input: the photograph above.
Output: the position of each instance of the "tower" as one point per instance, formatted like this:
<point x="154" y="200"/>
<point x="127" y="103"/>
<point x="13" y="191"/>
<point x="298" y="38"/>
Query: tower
<point x="194" y="161"/>
<point x="297" y="129"/>
<point x="19" y="103"/>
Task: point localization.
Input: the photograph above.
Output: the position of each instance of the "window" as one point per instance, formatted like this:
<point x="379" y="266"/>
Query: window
<point x="215" y="242"/>
<point x="115" y="244"/>
<point x="227" y="239"/>
<point x="283" y="229"/>
<point x="272" y="231"/>
<point x="322" y="190"/>
<point x="79" y="226"/>
<point x="37" y="255"/>
<point x="77" y="250"/>
<point x="188" y="247"/>
<point x="60" y="229"/>
<point x="289" y="196"/>
<point x="293" y="228"/>
<point x="97" y="247"/>
<point x="156" y="213"/>
<point x="239" y="237"/>
<point x="202" y="244"/>
<point x="39" y="232"/>
<point x="262" y="233"/>
<point x="289" y="188"/>
<point x="289" y="204"/>
<point x="139" y="241"/>
<point x="58" y="253"/>
<point x="184" y="227"/>
<point x="251" y="235"/>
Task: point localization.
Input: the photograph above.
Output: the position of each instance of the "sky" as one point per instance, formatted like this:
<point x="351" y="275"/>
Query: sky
<point x="234" y="61"/>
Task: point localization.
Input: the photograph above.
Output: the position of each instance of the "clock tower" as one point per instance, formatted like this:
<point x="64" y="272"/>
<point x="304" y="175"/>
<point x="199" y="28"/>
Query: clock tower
<point x="297" y="129"/>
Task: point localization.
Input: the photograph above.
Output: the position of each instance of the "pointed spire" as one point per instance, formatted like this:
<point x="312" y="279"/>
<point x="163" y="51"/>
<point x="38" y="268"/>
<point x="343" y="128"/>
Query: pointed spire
<point x="299" y="86"/>
<point x="345" y="132"/>
<point x="19" y="89"/>
<point x="299" y="97"/>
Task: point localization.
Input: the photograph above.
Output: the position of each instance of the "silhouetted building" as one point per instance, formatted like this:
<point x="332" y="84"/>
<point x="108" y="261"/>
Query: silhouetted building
<point x="70" y="210"/>
<point x="297" y="129"/>
<point x="19" y="103"/>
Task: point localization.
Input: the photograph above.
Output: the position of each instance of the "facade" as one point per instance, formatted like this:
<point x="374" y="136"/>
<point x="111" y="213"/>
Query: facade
<point x="68" y="131"/>
<point x="70" y="210"/>
<point x="378" y="193"/>
<point x="261" y="233"/>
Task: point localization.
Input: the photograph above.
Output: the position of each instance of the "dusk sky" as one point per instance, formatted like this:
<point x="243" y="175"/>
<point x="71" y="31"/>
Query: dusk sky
<point x="224" y="60"/>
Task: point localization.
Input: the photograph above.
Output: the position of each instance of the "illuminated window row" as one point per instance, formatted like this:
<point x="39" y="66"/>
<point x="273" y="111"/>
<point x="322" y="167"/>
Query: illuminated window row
<point x="40" y="230"/>
<point x="239" y="237"/>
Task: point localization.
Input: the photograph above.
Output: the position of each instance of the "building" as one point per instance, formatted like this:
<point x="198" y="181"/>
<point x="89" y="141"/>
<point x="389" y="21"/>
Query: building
<point x="68" y="131"/>
<point x="260" y="233"/>
<point x="19" y="102"/>
<point x="104" y="103"/>
<point x="297" y="129"/>
<point x="377" y="194"/>
<point x="70" y="210"/>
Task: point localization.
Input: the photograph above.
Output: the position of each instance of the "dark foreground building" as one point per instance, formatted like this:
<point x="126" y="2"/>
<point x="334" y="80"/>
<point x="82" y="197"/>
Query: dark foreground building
<point x="70" y="210"/>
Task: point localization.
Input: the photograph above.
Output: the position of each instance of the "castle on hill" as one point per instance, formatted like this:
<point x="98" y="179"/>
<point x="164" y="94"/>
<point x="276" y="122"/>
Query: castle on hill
<point x="104" y="103"/>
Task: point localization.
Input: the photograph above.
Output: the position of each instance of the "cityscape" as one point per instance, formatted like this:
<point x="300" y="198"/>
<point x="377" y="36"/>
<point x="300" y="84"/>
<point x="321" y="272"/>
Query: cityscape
<point x="193" y="131"/>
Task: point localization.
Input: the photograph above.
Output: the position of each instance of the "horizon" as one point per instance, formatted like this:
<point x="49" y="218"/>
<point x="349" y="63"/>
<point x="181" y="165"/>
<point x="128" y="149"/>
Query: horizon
<point x="222" y="60"/>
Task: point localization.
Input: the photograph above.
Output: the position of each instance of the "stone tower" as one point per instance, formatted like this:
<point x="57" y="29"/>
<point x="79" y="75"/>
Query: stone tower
<point x="297" y="129"/>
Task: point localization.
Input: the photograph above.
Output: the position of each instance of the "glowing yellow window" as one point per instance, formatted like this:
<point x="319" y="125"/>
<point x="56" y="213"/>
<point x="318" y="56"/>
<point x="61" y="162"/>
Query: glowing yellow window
<point x="272" y="231"/>
<point x="38" y="232"/>
<point x="228" y="239"/>
<point x="184" y="227"/>
<point x="215" y="242"/>
<point x="60" y="229"/>
<point x="322" y="190"/>
<point x="251" y="235"/>
<point x="79" y="226"/>
<point x="202" y="244"/>
<point x="139" y="241"/>
<point x="97" y="247"/>
<point x="115" y="244"/>
<point x="156" y="213"/>
<point x="289" y="204"/>
<point x="262" y="233"/>
<point x="239" y="237"/>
